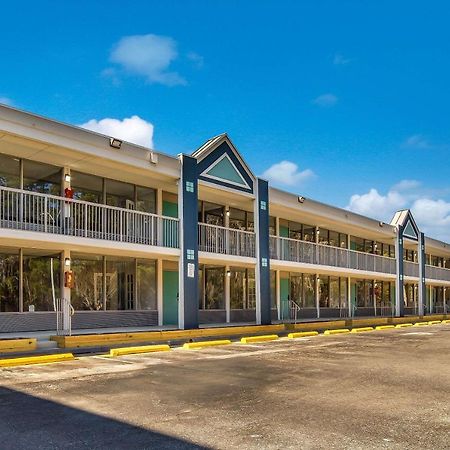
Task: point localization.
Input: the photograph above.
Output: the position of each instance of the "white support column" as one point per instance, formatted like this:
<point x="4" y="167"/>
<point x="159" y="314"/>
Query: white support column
<point x="65" y="291"/>
<point x="317" y="295"/>
<point x="349" y="297"/>
<point x="278" y="292"/>
<point x="104" y="283"/>
<point x="159" y="201"/>
<point x="21" y="280"/>
<point x="160" y="291"/>
<point x="227" y="294"/>
<point x="444" y="293"/>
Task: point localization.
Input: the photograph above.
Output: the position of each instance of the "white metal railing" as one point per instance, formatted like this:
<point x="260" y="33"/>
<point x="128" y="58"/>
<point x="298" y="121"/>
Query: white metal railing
<point x="410" y="269"/>
<point x="437" y="273"/>
<point x="225" y="241"/>
<point x="32" y="211"/>
<point x="64" y="312"/>
<point x="287" y="249"/>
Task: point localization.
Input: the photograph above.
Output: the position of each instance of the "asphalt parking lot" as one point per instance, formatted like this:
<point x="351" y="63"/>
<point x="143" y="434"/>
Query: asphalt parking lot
<point x="383" y="389"/>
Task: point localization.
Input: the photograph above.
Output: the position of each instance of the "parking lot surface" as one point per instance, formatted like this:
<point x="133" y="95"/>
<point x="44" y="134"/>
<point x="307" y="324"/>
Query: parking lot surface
<point x="383" y="389"/>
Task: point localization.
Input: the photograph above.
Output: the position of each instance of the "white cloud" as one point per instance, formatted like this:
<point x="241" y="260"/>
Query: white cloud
<point x="416" y="141"/>
<point x="432" y="216"/>
<point x="150" y="56"/>
<point x="287" y="173"/>
<point x="325" y="100"/>
<point x="132" y="129"/>
<point x="6" y="101"/>
<point x="340" y="60"/>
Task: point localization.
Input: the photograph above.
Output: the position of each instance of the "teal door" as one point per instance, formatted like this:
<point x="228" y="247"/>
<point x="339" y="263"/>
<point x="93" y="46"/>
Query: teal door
<point x="170" y="297"/>
<point x="284" y="298"/>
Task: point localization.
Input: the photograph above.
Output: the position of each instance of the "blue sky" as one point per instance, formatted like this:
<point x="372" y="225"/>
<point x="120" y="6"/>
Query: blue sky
<point x="346" y="102"/>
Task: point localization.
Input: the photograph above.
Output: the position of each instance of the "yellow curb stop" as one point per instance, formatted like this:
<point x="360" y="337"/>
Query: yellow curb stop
<point x="251" y="339"/>
<point x="302" y="334"/>
<point x="434" y="322"/>
<point x="361" y="330"/>
<point x="420" y="324"/>
<point x="136" y="350"/>
<point x="28" y="360"/>
<point x="403" y="325"/>
<point x="199" y="345"/>
<point x="338" y="331"/>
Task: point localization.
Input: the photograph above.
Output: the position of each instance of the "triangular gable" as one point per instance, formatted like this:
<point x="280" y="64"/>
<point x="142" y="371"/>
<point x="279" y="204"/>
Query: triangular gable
<point x="220" y="163"/>
<point x="406" y="220"/>
<point x="224" y="169"/>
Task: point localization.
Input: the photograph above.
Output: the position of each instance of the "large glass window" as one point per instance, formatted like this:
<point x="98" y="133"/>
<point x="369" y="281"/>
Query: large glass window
<point x="87" y="293"/>
<point x="146" y="285"/>
<point x="214" y="288"/>
<point x="210" y="213"/>
<point x="41" y="285"/>
<point x="309" y="292"/>
<point x="145" y="199"/>
<point x="273" y="289"/>
<point x="87" y="187"/>
<point x="9" y="171"/>
<point x="9" y="281"/>
<point x="119" y="194"/>
<point x="40" y="177"/>
<point x="242" y="289"/>
<point x="120" y="284"/>
<point x="324" y="292"/>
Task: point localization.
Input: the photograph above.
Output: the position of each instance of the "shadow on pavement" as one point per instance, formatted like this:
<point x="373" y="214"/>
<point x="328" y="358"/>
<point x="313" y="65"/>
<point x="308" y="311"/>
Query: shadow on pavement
<point x="28" y="422"/>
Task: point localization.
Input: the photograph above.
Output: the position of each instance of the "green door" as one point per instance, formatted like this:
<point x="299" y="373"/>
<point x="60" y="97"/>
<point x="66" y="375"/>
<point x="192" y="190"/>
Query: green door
<point x="284" y="298"/>
<point x="170" y="297"/>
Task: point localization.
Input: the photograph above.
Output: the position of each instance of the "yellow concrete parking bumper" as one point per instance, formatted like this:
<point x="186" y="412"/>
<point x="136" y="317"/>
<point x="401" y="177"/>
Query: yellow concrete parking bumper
<point x="255" y="339"/>
<point x="434" y="322"/>
<point x="338" y="331"/>
<point x="403" y="325"/>
<point x="385" y="327"/>
<point x="420" y="324"/>
<point x="361" y="330"/>
<point x="302" y="334"/>
<point x="446" y="321"/>
<point x="45" y="359"/>
<point x="199" y="345"/>
<point x="136" y="350"/>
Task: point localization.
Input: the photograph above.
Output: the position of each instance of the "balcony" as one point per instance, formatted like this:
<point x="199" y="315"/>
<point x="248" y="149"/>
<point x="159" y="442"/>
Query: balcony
<point x="437" y="273"/>
<point x="225" y="241"/>
<point x="31" y="211"/>
<point x="286" y="249"/>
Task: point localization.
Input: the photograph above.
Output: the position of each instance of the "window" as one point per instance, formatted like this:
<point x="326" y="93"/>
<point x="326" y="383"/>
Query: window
<point x="309" y="291"/>
<point x="214" y="288"/>
<point x="146" y="284"/>
<point x="87" y="294"/>
<point x="40" y="177"/>
<point x="87" y="187"/>
<point x="9" y="171"/>
<point x="119" y="194"/>
<point x="38" y="274"/>
<point x="9" y="281"/>
<point x="145" y="199"/>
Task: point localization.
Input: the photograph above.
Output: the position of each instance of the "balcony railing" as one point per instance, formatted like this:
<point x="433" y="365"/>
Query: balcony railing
<point x="437" y="273"/>
<point x="31" y="211"/>
<point x="410" y="269"/>
<point x="225" y="241"/>
<point x="287" y="249"/>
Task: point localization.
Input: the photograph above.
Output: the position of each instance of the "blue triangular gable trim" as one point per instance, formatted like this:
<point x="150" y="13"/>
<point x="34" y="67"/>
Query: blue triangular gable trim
<point x="214" y="156"/>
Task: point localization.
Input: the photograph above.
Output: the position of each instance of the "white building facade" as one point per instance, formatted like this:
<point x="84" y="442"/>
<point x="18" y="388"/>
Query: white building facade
<point x="132" y="237"/>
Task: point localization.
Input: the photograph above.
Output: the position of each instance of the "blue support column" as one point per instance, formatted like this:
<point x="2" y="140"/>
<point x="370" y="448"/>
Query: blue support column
<point x="262" y="274"/>
<point x="188" y="269"/>
<point x="422" y="285"/>
<point x="399" y="281"/>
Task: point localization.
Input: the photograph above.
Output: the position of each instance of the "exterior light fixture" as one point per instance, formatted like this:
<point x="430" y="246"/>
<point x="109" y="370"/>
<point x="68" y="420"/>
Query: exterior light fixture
<point x="115" y="143"/>
<point x="228" y="273"/>
<point x="67" y="262"/>
<point x="227" y="212"/>
<point x="67" y="178"/>
<point x="380" y="224"/>
<point x="301" y="199"/>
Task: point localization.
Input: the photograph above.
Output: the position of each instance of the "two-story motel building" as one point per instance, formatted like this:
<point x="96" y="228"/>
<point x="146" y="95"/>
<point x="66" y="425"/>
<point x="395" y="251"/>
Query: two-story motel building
<point x="156" y="240"/>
